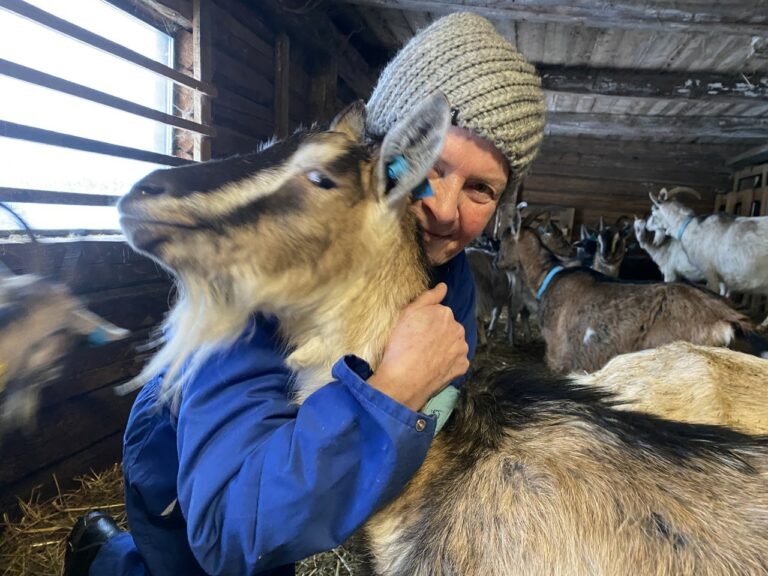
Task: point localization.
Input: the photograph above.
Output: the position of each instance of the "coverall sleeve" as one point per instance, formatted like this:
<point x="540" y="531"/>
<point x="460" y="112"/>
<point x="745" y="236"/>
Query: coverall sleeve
<point x="263" y="483"/>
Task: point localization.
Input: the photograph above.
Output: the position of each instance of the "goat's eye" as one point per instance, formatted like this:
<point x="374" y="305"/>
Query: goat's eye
<point x="321" y="180"/>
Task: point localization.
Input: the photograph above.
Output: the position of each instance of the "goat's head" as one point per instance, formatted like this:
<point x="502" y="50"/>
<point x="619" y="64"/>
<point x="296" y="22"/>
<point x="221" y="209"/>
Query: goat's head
<point x="278" y="230"/>
<point x="611" y="245"/>
<point x="552" y="237"/>
<point x="667" y="212"/>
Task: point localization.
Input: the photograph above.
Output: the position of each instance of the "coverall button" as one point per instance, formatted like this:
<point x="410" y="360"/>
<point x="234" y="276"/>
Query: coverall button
<point x="420" y="424"/>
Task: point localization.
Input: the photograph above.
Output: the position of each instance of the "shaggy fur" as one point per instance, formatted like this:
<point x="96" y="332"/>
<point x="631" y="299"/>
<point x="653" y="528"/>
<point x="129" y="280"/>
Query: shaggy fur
<point x="668" y="255"/>
<point x="535" y="476"/>
<point x="587" y="318"/>
<point x="531" y="475"/>
<point x="689" y="383"/>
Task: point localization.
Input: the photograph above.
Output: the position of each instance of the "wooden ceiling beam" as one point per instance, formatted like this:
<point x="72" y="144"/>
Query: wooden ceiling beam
<point x="737" y="18"/>
<point x="730" y="88"/>
<point x="635" y="127"/>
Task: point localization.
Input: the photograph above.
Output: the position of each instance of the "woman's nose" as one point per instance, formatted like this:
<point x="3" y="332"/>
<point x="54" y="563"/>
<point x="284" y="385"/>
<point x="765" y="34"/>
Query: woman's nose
<point x="443" y="205"/>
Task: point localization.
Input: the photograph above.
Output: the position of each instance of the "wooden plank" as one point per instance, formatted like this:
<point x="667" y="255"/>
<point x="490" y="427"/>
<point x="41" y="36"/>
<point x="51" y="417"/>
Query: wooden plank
<point x="48" y="197"/>
<point x="707" y="87"/>
<point x="163" y="15"/>
<point x="63" y="429"/>
<point x="98" y="455"/>
<point x="32" y="76"/>
<point x="756" y="155"/>
<point x="239" y="78"/>
<point x="67" y="28"/>
<point x="323" y="90"/>
<point x="30" y="134"/>
<point x="202" y="47"/>
<point x="656" y="127"/>
<point x="715" y="17"/>
<point x="282" y="85"/>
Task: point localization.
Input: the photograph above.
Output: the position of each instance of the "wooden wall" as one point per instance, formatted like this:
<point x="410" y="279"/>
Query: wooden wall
<point x="610" y="178"/>
<point x="82" y="421"/>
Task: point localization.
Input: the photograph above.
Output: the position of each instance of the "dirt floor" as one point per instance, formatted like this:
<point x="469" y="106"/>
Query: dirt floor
<point x="34" y="545"/>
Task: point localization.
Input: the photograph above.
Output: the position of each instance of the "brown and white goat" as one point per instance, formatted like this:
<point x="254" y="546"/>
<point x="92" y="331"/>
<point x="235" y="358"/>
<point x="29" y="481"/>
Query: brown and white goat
<point x="587" y="318"/>
<point x="531" y="475"/>
<point x="689" y="383"/>
<point x="611" y="247"/>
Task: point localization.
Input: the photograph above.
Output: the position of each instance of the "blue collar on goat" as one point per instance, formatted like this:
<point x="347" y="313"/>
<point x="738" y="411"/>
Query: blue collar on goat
<point x="552" y="273"/>
<point x="683" y="226"/>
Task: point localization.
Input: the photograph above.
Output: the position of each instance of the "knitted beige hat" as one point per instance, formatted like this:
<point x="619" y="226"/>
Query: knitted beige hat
<point x="492" y="90"/>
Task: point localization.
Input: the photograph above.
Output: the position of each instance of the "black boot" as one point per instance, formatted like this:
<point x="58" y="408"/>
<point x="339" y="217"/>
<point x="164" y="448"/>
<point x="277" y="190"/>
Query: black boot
<point x="84" y="540"/>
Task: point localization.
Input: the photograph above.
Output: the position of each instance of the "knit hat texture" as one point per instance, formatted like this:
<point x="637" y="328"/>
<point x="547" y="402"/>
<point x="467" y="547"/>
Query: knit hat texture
<point x="494" y="92"/>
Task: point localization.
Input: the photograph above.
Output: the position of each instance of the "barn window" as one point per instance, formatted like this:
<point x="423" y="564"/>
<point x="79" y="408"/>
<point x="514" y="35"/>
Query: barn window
<point x="87" y="109"/>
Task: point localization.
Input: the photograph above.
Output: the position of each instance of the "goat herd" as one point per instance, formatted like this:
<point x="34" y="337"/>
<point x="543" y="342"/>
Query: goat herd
<point x="653" y="462"/>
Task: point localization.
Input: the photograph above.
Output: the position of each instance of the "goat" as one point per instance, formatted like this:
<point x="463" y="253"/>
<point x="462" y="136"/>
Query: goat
<point x="531" y="475"/>
<point x="587" y="318"/>
<point x="731" y="251"/>
<point x="668" y="255"/>
<point x="497" y="289"/>
<point x="611" y="247"/>
<point x="681" y="381"/>
<point x="553" y="238"/>
<point x="40" y="322"/>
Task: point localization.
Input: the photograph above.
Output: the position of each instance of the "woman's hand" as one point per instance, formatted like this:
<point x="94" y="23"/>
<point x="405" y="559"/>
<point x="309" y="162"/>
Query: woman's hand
<point x="425" y="352"/>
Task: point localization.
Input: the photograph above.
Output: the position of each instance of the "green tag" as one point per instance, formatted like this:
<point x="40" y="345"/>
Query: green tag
<point x="441" y="406"/>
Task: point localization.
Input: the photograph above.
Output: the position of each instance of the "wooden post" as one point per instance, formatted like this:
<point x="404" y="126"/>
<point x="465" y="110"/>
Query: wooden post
<point x="282" y="85"/>
<point x="203" y="71"/>
<point x="323" y="90"/>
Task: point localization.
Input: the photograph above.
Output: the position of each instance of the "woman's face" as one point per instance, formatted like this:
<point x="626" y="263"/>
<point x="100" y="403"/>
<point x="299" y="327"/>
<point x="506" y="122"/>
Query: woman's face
<point x="467" y="182"/>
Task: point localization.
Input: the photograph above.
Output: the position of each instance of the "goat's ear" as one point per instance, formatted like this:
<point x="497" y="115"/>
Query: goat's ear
<point x="516" y="219"/>
<point x="410" y="150"/>
<point x="602" y="224"/>
<point x="655" y="200"/>
<point x="351" y="121"/>
<point x="583" y="232"/>
<point x="663" y="195"/>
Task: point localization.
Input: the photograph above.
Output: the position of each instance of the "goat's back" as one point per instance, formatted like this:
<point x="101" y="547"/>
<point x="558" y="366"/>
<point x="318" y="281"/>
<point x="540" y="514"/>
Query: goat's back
<point x="538" y="477"/>
<point x="587" y="319"/>
<point x="689" y="383"/>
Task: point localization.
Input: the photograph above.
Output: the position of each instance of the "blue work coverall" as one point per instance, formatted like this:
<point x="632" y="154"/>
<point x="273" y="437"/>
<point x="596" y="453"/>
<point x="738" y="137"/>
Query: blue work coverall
<point x="243" y="482"/>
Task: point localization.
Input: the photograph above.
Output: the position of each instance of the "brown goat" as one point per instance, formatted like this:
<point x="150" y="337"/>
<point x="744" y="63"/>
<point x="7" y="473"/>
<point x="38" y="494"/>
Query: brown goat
<point x="689" y="383"/>
<point x="532" y="475"/>
<point x="587" y="318"/>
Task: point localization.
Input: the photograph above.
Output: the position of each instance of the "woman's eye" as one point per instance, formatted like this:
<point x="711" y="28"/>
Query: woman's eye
<point x="481" y="192"/>
<point x="320" y="180"/>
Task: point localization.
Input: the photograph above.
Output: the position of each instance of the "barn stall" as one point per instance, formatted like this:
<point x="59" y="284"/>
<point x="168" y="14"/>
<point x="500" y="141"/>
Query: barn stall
<point x="639" y="97"/>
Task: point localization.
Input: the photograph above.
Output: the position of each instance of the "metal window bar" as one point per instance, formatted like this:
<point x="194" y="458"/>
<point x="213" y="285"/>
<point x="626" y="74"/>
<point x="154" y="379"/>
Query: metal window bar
<point x="94" y="40"/>
<point x="204" y="90"/>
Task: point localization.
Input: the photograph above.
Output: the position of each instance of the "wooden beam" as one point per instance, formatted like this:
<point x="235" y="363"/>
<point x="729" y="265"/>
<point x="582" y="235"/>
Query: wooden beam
<point x="756" y="155"/>
<point x="728" y="88"/>
<point x="202" y="47"/>
<point x="31" y="134"/>
<point x="316" y="31"/>
<point x="165" y="13"/>
<point x="42" y="17"/>
<point x="733" y="18"/>
<point x="282" y="85"/>
<point x="323" y="90"/>
<point x="656" y="127"/>
<point x="32" y="76"/>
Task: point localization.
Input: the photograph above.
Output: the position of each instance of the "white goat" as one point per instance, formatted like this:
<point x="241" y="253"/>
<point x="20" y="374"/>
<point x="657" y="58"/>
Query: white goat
<point x="668" y="255"/>
<point x="731" y="251"/>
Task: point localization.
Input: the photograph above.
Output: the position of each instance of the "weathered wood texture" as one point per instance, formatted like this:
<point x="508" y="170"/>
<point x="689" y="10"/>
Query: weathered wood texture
<point x="81" y="419"/>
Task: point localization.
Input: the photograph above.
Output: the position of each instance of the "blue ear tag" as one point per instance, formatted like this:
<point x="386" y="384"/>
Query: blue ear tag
<point x="398" y="167"/>
<point x="98" y="337"/>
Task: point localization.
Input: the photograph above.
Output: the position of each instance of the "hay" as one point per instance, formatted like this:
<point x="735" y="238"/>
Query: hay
<point x="34" y="544"/>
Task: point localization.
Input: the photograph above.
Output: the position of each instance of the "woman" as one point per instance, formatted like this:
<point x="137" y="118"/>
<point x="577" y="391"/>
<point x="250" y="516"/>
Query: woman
<point x="240" y="481"/>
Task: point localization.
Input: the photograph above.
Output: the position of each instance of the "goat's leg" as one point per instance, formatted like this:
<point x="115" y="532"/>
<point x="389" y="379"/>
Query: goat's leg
<point x="511" y="320"/>
<point x="495" y="312"/>
<point x="525" y="320"/>
<point x="482" y="340"/>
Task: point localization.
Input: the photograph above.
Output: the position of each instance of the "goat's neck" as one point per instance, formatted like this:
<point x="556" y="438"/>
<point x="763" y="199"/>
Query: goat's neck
<point x="356" y="316"/>
<point x="535" y="260"/>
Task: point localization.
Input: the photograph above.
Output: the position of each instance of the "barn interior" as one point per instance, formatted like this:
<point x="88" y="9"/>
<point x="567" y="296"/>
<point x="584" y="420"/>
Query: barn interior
<point x="640" y="96"/>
